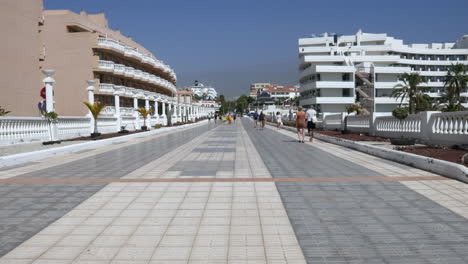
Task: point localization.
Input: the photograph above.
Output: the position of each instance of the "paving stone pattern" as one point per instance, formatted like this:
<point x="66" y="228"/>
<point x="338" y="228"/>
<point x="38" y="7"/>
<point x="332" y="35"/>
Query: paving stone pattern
<point x="28" y="208"/>
<point x="288" y="158"/>
<point x="358" y="222"/>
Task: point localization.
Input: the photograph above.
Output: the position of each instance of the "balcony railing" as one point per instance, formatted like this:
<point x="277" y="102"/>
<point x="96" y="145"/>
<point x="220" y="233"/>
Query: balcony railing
<point x="134" y="53"/>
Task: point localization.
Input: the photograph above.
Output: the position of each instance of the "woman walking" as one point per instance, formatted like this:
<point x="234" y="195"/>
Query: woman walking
<point x="262" y="119"/>
<point x="301" y="124"/>
<point x="279" y="121"/>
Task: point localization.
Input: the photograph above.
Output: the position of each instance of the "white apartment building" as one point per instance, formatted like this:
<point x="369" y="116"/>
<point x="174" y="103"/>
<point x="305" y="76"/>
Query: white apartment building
<point x="276" y="91"/>
<point x="336" y="71"/>
<point x="202" y="91"/>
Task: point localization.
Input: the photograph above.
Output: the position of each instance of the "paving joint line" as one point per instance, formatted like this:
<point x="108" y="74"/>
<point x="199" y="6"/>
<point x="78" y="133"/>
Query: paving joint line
<point x="296" y="179"/>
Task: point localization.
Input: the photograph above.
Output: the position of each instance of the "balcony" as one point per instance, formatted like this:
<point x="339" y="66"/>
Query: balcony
<point x="327" y="85"/>
<point x="106" y="88"/>
<point x="119" y="69"/>
<point x="106" y="65"/>
<point x="131" y="52"/>
<point x="392" y="70"/>
<point x="326" y="68"/>
<point x="387" y="85"/>
<point x="328" y="100"/>
<point x="389" y="100"/>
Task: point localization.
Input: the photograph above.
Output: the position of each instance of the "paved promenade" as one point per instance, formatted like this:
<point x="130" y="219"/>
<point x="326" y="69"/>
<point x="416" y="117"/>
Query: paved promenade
<point x="229" y="194"/>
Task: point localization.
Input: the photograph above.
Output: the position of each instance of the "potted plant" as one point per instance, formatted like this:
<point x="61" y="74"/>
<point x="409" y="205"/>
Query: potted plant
<point x="401" y="113"/>
<point x="144" y="113"/>
<point x="123" y="130"/>
<point x="51" y="118"/>
<point x="95" y="110"/>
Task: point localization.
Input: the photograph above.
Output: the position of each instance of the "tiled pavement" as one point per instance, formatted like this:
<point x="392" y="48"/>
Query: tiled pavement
<point x="367" y="221"/>
<point x="227" y="221"/>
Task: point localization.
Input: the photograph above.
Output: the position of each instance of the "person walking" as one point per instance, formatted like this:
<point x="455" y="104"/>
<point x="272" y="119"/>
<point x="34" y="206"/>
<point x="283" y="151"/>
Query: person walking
<point x="234" y="117"/>
<point x="300" y="124"/>
<point x="279" y="121"/>
<point x="215" y="117"/>
<point x="262" y="118"/>
<point x="311" y="116"/>
<point x="255" y="116"/>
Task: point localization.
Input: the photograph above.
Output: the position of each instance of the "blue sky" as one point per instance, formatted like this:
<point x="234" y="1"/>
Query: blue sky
<point x="231" y="43"/>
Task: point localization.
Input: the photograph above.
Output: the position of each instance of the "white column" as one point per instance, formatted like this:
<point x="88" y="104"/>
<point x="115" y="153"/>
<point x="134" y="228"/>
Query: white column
<point x="163" y="109"/>
<point x="49" y="85"/>
<point x="136" y="114"/>
<point x="147" y="106"/>
<point x="117" y="108"/>
<point x="90" y="90"/>
<point x="156" y="111"/>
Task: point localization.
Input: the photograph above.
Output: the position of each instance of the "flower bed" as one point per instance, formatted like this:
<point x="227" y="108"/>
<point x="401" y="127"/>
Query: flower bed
<point x="354" y="137"/>
<point x="447" y="154"/>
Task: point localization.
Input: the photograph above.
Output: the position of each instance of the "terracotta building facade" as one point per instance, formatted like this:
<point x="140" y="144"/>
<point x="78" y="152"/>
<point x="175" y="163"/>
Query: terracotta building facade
<point x="79" y="47"/>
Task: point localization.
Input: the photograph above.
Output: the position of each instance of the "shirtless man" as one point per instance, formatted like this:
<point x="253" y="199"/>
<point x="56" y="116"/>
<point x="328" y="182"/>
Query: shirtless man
<point x="301" y="124"/>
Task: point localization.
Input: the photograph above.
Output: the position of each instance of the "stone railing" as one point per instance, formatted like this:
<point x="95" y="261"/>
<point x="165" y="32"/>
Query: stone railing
<point x="449" y="127"/>
<point x="426" y="127"/>
<point x="23" y="129"/>
<point x="359" y="124"/>
<point x="15" y="130"/>
<point x="71" y="127"/>
<point x="333" y="121"/>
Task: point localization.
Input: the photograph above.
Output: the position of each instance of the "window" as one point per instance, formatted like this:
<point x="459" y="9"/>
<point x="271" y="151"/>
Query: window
<point x="107" y="100"/>
<point x="461" y="57"/>
<point x="346" y="77"/>
<point x="440" y="57"/>
<point x="451" y="57"/>
<point x="346" y="92"/>
<point x="430" y="57"/>
<point x="318" y="77"/>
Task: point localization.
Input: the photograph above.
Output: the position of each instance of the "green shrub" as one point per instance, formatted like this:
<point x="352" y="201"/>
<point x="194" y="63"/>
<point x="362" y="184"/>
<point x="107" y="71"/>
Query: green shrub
<point x="157" y="126"/>
<point x="400" y="113"/>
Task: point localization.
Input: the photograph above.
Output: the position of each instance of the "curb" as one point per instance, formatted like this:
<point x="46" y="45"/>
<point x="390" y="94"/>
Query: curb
<point x="21" y="158"/>
<point x="441" y="167"/>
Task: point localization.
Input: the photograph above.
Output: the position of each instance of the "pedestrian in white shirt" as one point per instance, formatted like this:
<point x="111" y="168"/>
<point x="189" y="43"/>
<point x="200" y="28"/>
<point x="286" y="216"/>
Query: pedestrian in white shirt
<point x="279" y="121"/>
<point x="311" y="116"/>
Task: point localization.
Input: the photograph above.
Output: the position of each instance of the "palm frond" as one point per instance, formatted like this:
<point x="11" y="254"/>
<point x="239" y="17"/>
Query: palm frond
<point x="95" y="108"/>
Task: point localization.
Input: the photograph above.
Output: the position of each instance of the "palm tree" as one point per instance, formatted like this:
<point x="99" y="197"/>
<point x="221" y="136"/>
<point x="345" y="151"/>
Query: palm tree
<point x="455" y="82"/>
<point x="409" y="89"/>
<point x="95" y="110"/>
<point x="145" y="113"/>
<point x="3" y="111"/>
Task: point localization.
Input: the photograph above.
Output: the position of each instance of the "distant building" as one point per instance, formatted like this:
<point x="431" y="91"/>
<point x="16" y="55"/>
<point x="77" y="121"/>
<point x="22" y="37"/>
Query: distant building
<point x="275" y="91"/>
<point x="336" y="71"/>
<point x="204" y="92"/>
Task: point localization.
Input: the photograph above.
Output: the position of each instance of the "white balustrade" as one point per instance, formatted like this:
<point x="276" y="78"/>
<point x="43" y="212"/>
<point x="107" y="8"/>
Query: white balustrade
<point x="333" y="121"/>
<point x="119" y="68"/>
<point x="129" y="122"/>
<point x="106" y="65"/>
<point x="72" y="127"/>
<point x="106" y="87"/>
<point x="427" y="127"/>
<point x="358" y="123"/>
<point x="23" y="129"/>
<point x="449" y="127"/>
<point x="107" y="124"/>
